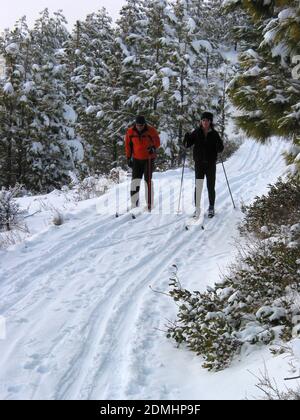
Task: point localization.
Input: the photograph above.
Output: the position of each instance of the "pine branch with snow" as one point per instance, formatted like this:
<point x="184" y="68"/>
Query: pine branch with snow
<point x="10" y="213"/>
<point x="267" y="89"/>
<point x="257" y="302"/>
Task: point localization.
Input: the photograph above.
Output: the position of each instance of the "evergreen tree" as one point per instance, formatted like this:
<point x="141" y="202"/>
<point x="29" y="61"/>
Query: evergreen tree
<point x="188" y="89"/>
<point x="157" y="43"/>
<point x="265" y="91"/>
<point x="15" y="111"/>
<point x="51" y="154"/>
<point x="95" y="79"/>
<point x="131" y="37"/>
<point x="163" y="59"/>
<point x="37" y="138"/>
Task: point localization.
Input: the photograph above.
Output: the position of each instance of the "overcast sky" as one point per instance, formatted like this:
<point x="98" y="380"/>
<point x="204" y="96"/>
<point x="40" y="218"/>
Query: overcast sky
<point x="12" y="10"/>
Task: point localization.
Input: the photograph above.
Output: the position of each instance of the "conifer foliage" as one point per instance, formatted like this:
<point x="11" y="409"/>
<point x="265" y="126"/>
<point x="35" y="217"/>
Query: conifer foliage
<point x="267" y="89"/>
<point x="36" y="134"/>
<point x="253" y="304"/>
<point x="10" y="213"/>
<point x="66" y="99"/>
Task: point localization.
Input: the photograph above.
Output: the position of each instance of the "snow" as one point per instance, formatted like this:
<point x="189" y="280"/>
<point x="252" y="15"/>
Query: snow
<point x="164" y="138"/>
<point x="254" y="71"/>
<point x="269" y="36"/>
<point x="81" y="319"/>
<point x="122" y="46"/>
<point x="69" y="114"/>
<point x="12" y="48"/>
<point x="166" y="83"/>
<point x="295" y="345"/>
<point x="230" y="55"/>
<point x="177" y="96"/>
<point x="251" y="53"/>
<point x="132" y="100"/>
<point x="129" y="60"/>
<point x="37" y="147"/>
<point x="91" y="109"/>
<point x="197" y="45"/>
<point x="286" y="13"/>
<point x="77" y="149"/>
<point x="100" y="114"/>
<point x="171" y="15"/>
<point x="8" y="88"/>
<point x="166" y="71"/>
<point x="191" y="24"/>
<point x="229" y="2"/>
<point x="28" y="86"/>
<point x="282" y="50"/>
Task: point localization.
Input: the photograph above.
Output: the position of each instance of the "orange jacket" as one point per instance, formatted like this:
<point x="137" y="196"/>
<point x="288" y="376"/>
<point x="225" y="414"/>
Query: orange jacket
<point x="136" y="144"/>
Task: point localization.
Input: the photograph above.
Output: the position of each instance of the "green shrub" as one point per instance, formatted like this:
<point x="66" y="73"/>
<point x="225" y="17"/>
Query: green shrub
<point x="259" y="300"/>
<point x="281" y="206"/>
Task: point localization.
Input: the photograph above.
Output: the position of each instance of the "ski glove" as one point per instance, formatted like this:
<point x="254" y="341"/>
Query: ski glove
<point x="130" y="162"/>
<point x="151" y="150"/>
<point x="186" y="139"/>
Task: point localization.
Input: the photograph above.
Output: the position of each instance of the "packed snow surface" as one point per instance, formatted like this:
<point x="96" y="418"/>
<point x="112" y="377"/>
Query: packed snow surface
<point x="81" y="320"/>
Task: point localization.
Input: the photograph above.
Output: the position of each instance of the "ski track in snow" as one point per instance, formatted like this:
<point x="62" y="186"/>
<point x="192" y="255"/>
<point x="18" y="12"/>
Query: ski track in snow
<point x="82" y="322"/>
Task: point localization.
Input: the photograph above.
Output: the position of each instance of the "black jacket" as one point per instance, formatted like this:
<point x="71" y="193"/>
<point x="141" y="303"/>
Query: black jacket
<point x="206" y="149"/>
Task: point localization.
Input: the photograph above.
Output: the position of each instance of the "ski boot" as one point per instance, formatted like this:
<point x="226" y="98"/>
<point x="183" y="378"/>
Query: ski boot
<point x="211" y="212"/>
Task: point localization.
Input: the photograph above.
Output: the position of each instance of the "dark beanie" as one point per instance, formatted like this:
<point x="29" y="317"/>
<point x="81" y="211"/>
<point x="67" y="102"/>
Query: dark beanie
<point x="207" y="115"/>
<point x="140" y="119"/>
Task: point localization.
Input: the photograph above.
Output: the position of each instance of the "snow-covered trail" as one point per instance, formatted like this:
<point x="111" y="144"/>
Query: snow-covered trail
<point x="82" y="322"/>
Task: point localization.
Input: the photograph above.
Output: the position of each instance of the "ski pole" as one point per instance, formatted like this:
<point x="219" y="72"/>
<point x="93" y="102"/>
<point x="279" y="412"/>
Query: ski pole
<point x="181" y="182"/>
<point x="227" y="182"/>
<point x="149" y="184"/>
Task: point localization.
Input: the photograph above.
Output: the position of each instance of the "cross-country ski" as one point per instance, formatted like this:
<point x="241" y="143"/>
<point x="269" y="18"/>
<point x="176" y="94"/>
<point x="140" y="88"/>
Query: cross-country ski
<point x="195" y="222"/>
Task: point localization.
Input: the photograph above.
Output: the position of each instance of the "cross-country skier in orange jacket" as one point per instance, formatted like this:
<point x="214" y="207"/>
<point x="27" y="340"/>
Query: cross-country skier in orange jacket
<point x="141" y="142"/>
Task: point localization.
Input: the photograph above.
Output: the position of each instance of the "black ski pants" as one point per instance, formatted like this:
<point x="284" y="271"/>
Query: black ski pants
<point x="208" y="170"/>
<point x="140" y="169"/>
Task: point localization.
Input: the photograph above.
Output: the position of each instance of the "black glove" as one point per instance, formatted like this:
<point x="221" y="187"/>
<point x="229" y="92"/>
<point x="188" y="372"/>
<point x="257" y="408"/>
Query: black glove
<point x="186" y="139"/>
<point x="151" y="150"/>
<point x="130" y="162"/>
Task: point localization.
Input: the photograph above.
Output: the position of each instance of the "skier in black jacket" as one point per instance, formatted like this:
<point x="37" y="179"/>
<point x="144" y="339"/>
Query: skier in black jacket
<point x="207" y="144"/>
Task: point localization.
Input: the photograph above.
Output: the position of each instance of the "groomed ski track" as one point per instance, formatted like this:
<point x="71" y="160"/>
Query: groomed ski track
<point x="82" y="322"/>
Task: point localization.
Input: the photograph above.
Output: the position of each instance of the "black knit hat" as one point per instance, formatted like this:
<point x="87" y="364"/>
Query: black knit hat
<point x="207" y="115"/>
<point x="140" y="119"/>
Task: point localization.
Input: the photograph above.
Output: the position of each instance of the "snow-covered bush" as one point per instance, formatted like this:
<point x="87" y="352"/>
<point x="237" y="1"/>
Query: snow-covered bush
<point x="202" y="326"/>
<point x="271" y="391"/>
<point x="281" y="206"/>
<point x="117" y="175"/>
<point x="10" y="213"/>
<point x="89" y="187"/>
<point x="258" y="301"/>
<point x="97" y="185"/>
<point x="12" y="237"/>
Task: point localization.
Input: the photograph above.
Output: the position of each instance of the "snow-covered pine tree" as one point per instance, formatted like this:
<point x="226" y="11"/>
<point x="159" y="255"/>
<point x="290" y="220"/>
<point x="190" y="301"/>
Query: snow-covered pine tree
<point x="15" y="111"/>
<point x="267" y="89"/>
<point x="132" y="38"/>
<point x="157" y="43"/>
<point x="188" y="90"/>
<point x="10" y="213"/>
<point x="239" y="27"/>
<point x="50" y="156"/>
<point x="215" y="38"/>
<point x="95" y="79"/>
